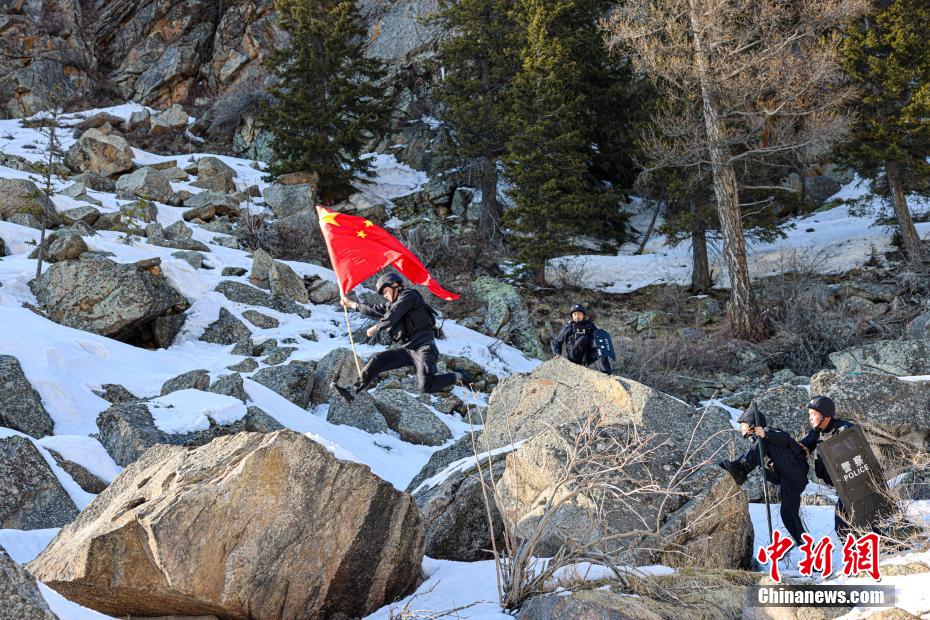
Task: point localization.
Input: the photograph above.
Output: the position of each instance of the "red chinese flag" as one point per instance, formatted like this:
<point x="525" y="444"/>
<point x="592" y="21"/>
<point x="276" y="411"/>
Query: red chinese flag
<point x="358" y="249"/>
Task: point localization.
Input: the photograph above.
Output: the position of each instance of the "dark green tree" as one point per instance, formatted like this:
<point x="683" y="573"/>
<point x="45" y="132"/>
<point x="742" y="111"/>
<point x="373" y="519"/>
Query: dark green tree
<point x="888" y="56"/>
<point x="478" y="63"/>
<point x="329" y="98"/>
<point x="553" y="155"/>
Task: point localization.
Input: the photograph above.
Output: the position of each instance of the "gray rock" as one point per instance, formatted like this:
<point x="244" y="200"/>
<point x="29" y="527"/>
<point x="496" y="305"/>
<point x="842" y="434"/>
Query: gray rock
<point x="166" y="328"/>
<point x="105" y="297"/>
<point x="25" y="219"/>
<point x="818" y="189"/>
<point x="116" y="394"/>
<point x="507" y="316"/>
<point x="337" y="366"/>
<point x="246" y="365"/>
<point x="217" y="203"/>
<point x="265" y="348"/>
<point x="650" y="320"/>
<point x="179" y="231"/>
<point x="784" y="408"/>
<point x="261" y="265"/>
<point x="30" y="495"/>
<point x="95" y="182"/>
<point x="462" y="448"/>
<point x="146" y="183"/>
<point x="287" y="200"/>
<point x="227" y="329"/>
<point x="410" y="418"/>
<point x="233" y="271"/>
<point x="139" y="118"/>
<point x="226" y="241"/>
<point x="244" y="347"/>
<point x="195" y="259"/>
<point x="169" y="121"/>
<point x="292" y="381"/>
<point x="192" y="380"/>
<point x="279" y="355"/>
<point x="22" y="196"/>
<point x="262" y="321"/>
<point x="84" y="479"/>
<point x="20" y="598"/>
<point x="361" y="413"/>
<point x="99" y="153"/>
<point x="708" y="310"/>
<point x="88" y="215"/>
<point x="126" y="431"/>
<point x="21" y="406"/>
<point x="188" y="245"/>
<point x="897" y="357"/>
<point x="66" y="247"/>
<point x="322" y="291"/>
<point x="919" y="328"/>
<point x="285" y="283"/>
<point x="249" y="295"/>
<point x="230" y="385"/>
<point x="214" y="175"/>
<point x="108" y="221"/>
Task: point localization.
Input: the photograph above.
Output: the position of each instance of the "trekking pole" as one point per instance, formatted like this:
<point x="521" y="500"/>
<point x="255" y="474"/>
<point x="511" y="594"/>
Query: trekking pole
<point x="765" y="486"/>
<point x="358" y="366"/>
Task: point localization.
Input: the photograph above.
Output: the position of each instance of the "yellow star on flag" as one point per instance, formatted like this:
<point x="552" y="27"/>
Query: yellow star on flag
<point x="361" y="234"/>
<point x="369" y="223"/>
<point x="329" y="217"/>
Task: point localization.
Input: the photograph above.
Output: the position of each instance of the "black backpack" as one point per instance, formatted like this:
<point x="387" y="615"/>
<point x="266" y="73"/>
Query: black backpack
<point x="421" y="316"/>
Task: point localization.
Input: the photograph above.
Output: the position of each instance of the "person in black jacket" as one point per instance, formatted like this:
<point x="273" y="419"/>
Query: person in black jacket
<point x="821" y="414"/>
<point x="785" y="465"/>
<point x="410" y="322"/>
<point x="577" y="336"/>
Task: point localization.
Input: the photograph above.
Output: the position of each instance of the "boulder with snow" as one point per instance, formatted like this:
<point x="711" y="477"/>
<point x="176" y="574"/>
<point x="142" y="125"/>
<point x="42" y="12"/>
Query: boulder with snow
<point x="214" y="175"/>
<point x="259" y="320"/>
<point x="534" y="418"/>
<point x="286" y="284"/>
<point x="99" y="153"/>
<point x="21" y="406"/>
<point x="292" y="381"/>
<point x="507" y="316"/>
<point x="261" y="265"/>
<point x="19" y="595"/>
<point x="337" y="366"/>
<point x="176" y="516"/>
<point x="412" y="420"/>
<point x="183" y="418"/>
<point x="65" y="247"/>
<point x="287" y="200"/>
<point x="230" y="385"/>
<point x="85" y="479"/>
<point x="897" y="357"/>
<point x="168" y="121"/>
<point x="251" y="296"/>
<point x="227" y="329"/>
<point x="322" y="291"/>
<point x="88" y="215"/>
<point x="192" y="380"/>
<point x="362" y="413"/>
<point x="166" y="328"/>
<point x="22" y="196"/>
<point x="104" y="297"/>
<point x="146" y="183"/>
<point x="31" y="497"/>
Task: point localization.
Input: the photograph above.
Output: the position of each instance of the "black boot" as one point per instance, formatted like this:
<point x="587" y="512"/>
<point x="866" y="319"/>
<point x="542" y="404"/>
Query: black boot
<point x="463" y="377"/>
<point x="343" y="392"/>
<point x="735" y="469"/>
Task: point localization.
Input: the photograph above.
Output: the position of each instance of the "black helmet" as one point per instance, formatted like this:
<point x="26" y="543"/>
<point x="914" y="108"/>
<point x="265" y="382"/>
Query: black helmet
<point x="579" y="308"/>
<point x="388" y="279"/>
<point x="753" y="417"/>
<point x="823" y="404"/>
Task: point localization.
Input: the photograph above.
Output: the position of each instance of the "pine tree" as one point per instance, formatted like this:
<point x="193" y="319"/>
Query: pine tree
<point x="478" y="64"/>
<point x="889" y="59"/>
<point x="552" y="151"/>
<point x="328" y="100"/>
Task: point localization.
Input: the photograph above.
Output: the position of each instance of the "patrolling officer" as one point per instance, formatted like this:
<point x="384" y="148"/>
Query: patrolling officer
<point x="785" y="465"/>
<point x="577" y="337"/>
<point x="411" y="322"/>
<point x="821" y="414"/>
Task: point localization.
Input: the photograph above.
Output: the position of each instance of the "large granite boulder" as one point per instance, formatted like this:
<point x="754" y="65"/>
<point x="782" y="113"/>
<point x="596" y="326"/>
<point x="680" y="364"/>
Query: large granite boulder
<point x="128" y="430"/>
<point x="99" y="153"/>
<point x="337" y="366"/>
<point x="214" y="175"/>
<point x="292" y="381"/>
<point x="897" y="357"/>
<point x="412" y="420"/>
<point x="287" y="200"/>
<point x="146" y="183"/>
<point x="249" y="295"/>
<point x="243" y="527"/>
<point x="30" y="495"/>
<point x="286" y="284"/>
<point x="19" y="595"/>
<point x="531" y="425"/>
<point x="361" y="413"/>
<point x="104" y="297"/>
<point x="226" y="329"/>
<point x="21" y="406"/>
<point x="22" y="196"/>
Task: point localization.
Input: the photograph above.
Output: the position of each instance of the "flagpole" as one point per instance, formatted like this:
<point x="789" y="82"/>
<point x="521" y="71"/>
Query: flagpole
<point x="345" y="310"/>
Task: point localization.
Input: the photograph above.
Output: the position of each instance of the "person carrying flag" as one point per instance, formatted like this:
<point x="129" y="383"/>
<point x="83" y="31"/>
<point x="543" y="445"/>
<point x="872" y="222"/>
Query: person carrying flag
<point x="410" y="322"/>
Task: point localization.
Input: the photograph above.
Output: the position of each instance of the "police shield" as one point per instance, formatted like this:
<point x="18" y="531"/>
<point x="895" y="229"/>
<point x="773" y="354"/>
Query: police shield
<point x="857" y="476"/>
<point x="605" y="346"/>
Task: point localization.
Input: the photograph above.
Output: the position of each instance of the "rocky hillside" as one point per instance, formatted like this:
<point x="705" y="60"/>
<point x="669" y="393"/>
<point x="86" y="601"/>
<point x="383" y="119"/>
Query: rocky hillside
<point x="170" y="444"/>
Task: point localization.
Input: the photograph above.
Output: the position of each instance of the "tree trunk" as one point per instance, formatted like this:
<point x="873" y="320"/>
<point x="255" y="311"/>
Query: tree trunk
<point x="909" y="236"/>
<point x="700" y="270"/>
<point x="652" y="224"/>
<point x="744" y="315"/>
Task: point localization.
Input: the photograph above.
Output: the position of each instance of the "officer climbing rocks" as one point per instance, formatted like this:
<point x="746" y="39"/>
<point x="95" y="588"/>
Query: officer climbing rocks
<point x="411" y="322"/>
<point x="785" y="465"/>
<point x="821" y="414"/>
<point x="577" y="337"/>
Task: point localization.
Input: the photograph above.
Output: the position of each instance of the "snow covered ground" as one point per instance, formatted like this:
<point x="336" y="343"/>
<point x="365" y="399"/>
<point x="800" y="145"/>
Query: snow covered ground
<point x="66" y="365"/>
<point x="831" y="241"/>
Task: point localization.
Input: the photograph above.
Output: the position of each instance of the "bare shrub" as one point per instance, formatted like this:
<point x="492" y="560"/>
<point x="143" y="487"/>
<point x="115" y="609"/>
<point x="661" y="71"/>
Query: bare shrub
<point x="603" y="464"/>
<point x="240" y="99"/>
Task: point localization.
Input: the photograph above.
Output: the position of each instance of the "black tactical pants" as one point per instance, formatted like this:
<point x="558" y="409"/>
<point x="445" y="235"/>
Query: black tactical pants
<point x="423" y="359"/>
